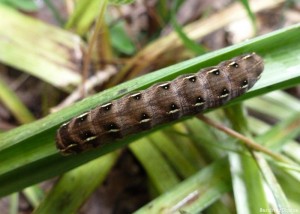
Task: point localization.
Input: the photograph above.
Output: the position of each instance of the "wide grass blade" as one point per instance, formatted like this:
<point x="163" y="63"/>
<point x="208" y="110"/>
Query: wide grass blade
<point x="195" y="193"/>
<point x="46" y="52"/>
<point x="31" y="147"/>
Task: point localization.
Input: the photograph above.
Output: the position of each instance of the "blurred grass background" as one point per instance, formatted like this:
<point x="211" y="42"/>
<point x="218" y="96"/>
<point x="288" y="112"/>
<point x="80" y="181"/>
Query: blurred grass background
<point x="52" y="52"/>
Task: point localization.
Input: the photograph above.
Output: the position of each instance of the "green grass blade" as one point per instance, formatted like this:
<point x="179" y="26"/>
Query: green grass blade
<point x="195" y="193"/>
<point x="173" y="154"/>
<point x="162" y="177"/>
<point x="85" y="14"/>
<point x="34" y="194"/>
<point x="76" y="186"/>
<point x="14" y="104"/>
<point x="54" y="61"/>
<point x="14" y="201"/>
<point x="188" y="43"/>
<point x="35" y="141"/>
<point x="280" y="198"/>
<point x="247" y="181"/>
<point x="250" y="14"/>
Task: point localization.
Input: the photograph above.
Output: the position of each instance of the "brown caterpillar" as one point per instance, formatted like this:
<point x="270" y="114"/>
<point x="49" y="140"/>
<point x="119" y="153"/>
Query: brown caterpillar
<point x="163" y="102"/>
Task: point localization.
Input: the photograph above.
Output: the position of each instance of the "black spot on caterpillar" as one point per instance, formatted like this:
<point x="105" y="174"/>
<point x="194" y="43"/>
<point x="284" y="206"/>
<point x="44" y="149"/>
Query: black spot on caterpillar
<point x="188" y="94"/>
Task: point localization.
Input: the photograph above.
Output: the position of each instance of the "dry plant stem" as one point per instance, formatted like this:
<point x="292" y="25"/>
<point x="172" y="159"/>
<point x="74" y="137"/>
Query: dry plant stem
<point x="87" y="57"/>
<point x="99" y="78"/>
<point x="195" y="30"/>
<point x="247" y="141"/>
<point x="69" y="6"/>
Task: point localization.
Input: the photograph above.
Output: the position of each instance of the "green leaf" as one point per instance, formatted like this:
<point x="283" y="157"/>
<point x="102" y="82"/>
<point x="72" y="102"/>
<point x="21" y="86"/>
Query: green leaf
<point x="39" y="49"/>
<point x="250" y="14"/>
<point x="14" y="104"/>
<point x="189" y="43"/>
<point x="120" y="39"/>
<point x="26" y="5"/>
<point x="173" y="154"/>
<point x="163" y="177"/>
<point x="85" y="179"/>
<point x="247" y="181"/>
<point x="121" y="1"/>
<point x="31" y="147"/>
<point x="85" y="14"/>
<point x="195" y="193"/>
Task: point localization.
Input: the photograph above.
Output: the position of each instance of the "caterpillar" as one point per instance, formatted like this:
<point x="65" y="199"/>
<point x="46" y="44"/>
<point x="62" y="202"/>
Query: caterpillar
<point x="188" y="94"/>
